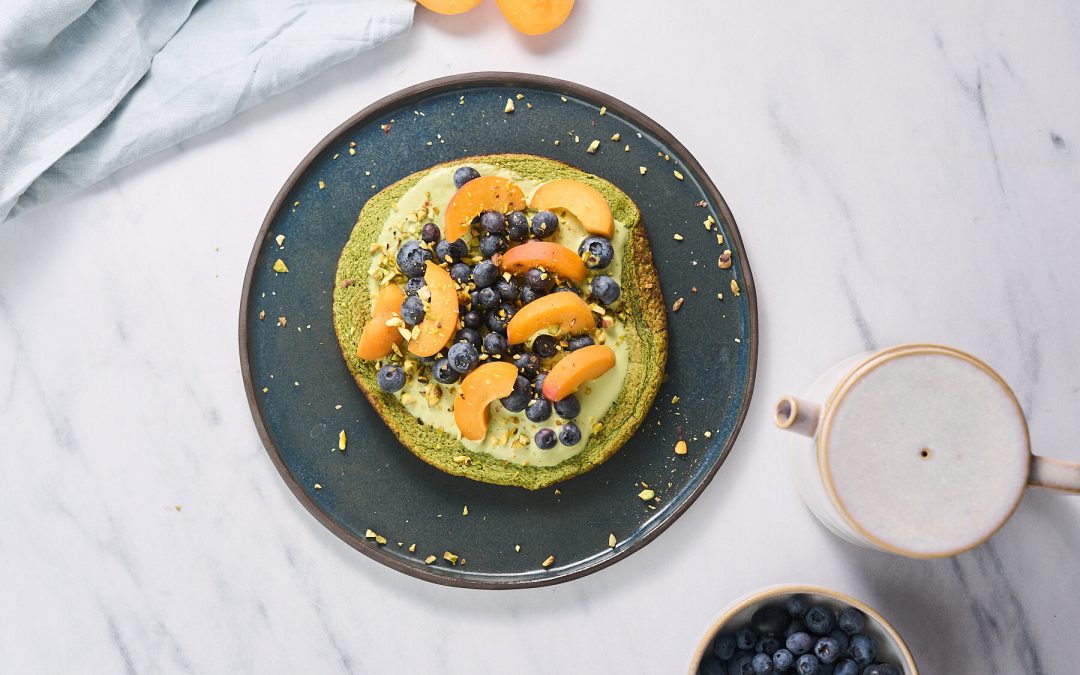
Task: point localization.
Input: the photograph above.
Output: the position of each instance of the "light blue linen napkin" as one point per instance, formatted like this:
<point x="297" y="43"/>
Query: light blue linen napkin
<point x="87" y="86"/>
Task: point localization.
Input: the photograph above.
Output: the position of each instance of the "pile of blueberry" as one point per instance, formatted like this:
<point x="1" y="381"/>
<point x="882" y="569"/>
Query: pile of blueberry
<point x="493" y="301"/>
<point x="801" y="638"/>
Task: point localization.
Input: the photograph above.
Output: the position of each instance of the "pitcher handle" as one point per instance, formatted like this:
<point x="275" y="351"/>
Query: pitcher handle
<point x="1054" y="474"/>
<point x="795" y="414"/>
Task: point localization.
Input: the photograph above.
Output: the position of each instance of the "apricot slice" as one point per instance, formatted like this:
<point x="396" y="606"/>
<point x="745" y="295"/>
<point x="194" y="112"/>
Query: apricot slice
<point x="580" y="199"/>
<point x="490" y="381"/>
<point x="554" y="258"/>
<point x="378" y="339"/>
<point x="587" y="363"/>
<point x="486" y="193"/>
<point x="566" y="310"/>
<point x="449" y="6"/>
<point x="440" y="320"/>
<point x="534" y="17"/>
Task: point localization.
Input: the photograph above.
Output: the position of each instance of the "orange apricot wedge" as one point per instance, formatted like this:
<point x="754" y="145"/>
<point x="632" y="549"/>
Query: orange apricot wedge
<point x="440" y="320"/>
<point x="449" y="6"/>
<point x="486" y="193"/>
<point x="534" y="17"/>
<point x="577" y="367"/>
<point x="378" y="339"/>
<point x="580" y="199"/>
<point x="490" y="381"/>
<point x="565" y="310"/>
<point x="555" y="258"/>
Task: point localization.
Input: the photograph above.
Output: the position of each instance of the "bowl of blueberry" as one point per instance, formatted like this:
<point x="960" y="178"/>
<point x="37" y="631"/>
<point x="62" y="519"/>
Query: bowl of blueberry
<point x="802" y="630"/>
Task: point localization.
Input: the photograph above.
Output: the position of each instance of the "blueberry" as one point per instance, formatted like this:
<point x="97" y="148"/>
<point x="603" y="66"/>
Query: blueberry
<point x="470" y="335"/>
<point x="412" y="310"/>
<point x="545" y="439"/>
<point x="499" y="317"/>
<point x="569" y="434"/>
<point x="724" y="646"/>
<point x="796" y="606"/>
<point x="762" y="663"/>
<point x="851" y="621"/>
<point x="451" y="251"/>
<point x="767" y="644"/>
<point x="808" y="664"/>
<point x="490" y="244"/>
<point x="463" y="356"/>
<point x="881" y="669"/>
<point x="596" y="251"/>
<point x="493" y="222"/>
<point x="517" y="226"/>
<point x="473" y="319"/>
<point x="412" y="259"/>
<point x="519" y="397"/>
<point x="782" y="659"/>
<point x="485" y="299"/>
<point x="827" y="650"/>
<point x="391" y="377"/>
<point x="863" y="649"/>
<point x="799" y="643"/>
<point x="771" y="619"/>
<point x="578" y="341"/>
<point x="545" y="346"/>
<point x="568" y="408"/>
<point x="538" y="384"/>
<point x="820" y="619"/>
<point x="539" y="410"/>
<point x="485" y="274"/>
<point x="529" y="294"/>
<point x="528" y="364"/>
<point x="539" y="280"/>
<point x="508" y="290"/>
<point x="413" y="285"/>
<point x="495" y="345"/>
<point x="443" y="373"/>
<point x="710" y="665"/>
<point x="846" y="667"/>
<point x="841" y="638"/>
<point x="464" y="175"/>
<point x="430" y="233"/>
<point x="742" y="664"/>
<point x="544" y="224"/>
<point x="461" y="273"/>
<point x="745" y="638"/>
<point x="605" y="289"/>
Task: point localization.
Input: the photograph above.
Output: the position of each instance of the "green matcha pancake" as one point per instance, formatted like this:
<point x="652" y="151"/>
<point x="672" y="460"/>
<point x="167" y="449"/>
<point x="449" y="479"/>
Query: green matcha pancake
<point x="503" y="316"/>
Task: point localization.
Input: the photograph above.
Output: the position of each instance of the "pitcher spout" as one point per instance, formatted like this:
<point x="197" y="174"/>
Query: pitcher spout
<point x="797" y="415"/>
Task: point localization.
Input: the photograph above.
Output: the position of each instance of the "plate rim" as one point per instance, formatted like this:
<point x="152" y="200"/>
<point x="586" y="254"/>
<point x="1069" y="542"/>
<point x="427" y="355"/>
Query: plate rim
<point x="497" y="78"/>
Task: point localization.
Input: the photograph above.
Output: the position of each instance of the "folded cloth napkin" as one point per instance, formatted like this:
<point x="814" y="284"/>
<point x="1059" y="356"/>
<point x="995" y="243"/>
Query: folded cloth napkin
<point x="89" y="86"/>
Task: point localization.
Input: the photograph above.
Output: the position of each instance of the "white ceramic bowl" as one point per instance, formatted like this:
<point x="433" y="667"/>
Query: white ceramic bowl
<point x="890" y="645"/>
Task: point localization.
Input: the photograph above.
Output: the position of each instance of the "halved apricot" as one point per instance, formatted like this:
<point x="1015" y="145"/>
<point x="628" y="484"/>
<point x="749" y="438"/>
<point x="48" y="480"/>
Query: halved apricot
<point x="449" y="6"/>
<point x="587" y="363"/>
<point x="486" y="193"/>
<point x="490" y="381"/>
<point x="584" y="201"/>
<point x="440" y="321"/>
<point x="378" y="339"/>
<point x="554" y="258"/>
<point x="565" y="310"/>
<point x="534" y="17"/>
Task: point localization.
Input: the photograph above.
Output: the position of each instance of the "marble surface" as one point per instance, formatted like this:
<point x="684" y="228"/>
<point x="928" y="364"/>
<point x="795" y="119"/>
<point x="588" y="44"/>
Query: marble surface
<point x="899" y="172"/>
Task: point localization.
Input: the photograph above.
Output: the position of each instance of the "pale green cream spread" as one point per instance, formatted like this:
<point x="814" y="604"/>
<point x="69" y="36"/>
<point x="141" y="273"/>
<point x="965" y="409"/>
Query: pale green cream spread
<point x="509" y="435"/>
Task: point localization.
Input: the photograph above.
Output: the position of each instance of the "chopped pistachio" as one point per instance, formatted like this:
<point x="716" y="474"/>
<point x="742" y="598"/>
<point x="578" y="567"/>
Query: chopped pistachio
<point x="509" y="106"/>
<point x="642" y="170"/>
<point x="262" y="314"/>
<point x="430" y="559"/>
<point x="380" y="540"/>
<point x="724" y="261"/>
<point x="678" y="303"/>
<point x="370" y="534"/>
<point x="593" y="147"/>
<point x="282" y="322"/>
<point x="735" y="288"/>
<point x="462" y="460"/>
<point x="597" y="426"/>
<point x="616" y="136"/>
<point x="611" y="540"/>
<point x="646" y="495"/>
<point x="603" y="110"/>
<point x="465" y="511"/>
<point x="406" y="399"/>
<point x="412" y="548"/>
<point x="352" y="151"/>
<point x="317" y="486"/>
<point x="266" y="390"/>
<point x="517" y="547"/>
<point x="280" y="239"/>
<point x="519" y="96"/>
<point x="626" y="148"/>
<point x="548" y="561"/>
<point x="447" y="555"/>
<point x="563" y="99"/>
<point x="279" y="266"/>
<point x="322" y="185"/>
<point x="678" y="175"/>
<point x="341" y="441"/>
<point x="528" y="105"/>
<point x="677" y="237"/>
<point x="674" y="399"/>
<point x="708" y="434"/>
<point x="680" y="448"/>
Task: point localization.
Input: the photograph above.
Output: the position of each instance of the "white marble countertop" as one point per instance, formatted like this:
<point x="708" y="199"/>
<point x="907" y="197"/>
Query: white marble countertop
<point x="898" y="173"/>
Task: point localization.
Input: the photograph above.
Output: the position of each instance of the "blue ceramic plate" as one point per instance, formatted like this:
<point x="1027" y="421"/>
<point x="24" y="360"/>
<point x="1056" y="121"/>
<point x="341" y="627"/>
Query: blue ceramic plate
<point x="302" y="395"/>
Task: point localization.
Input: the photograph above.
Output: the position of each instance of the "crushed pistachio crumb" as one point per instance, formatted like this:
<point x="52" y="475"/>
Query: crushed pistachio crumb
<point x="680" y="448"/>
<point x="556" y="141"/>
<point x="412" y="548"/>
<point x="317" y="486"/>
<point x="646" y="495"/>
<point x="280" y="239"/>
<point x="341" y="441"/>
<point x="642" y="170"/>
<point x="593" y="147"/>
<point x="616" y="136"/>
<point x="735" y="288"/>
<point x="519" y="96"/>
<point x="603" y="110"/>
<point x="266" y="390"/>
<point x="262" y="314"/>
<point x="548" y="561"/>
<point x="282" y="322"/>
<point x="724" y="261"/>
<point x="352" y="151"/>
<point x="678" y="175"/>
<point x="563" y="99"/>
<point x="279" y="266"/>
<point x="462" y="460"/>
<point x="517" y="547"/>
<point x="677" y="237"/>
<point x="322" y="185"/>
<point x="611" y="540"/>
<point x="430" y="559"/>
<point x="509" y="106"/>
<point x="678" y="303"/>
<point x="465" y="511"/>
<point x="674" y="399"/>
<point x="708" y="434"/>
<point x="450" y="557"/>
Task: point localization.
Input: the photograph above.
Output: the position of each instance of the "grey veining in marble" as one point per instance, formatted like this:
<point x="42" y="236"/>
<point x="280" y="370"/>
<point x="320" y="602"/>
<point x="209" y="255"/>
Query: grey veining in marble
<point x="899" y="172"/>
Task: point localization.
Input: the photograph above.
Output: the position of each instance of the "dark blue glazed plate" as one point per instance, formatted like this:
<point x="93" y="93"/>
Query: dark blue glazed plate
<point x="302" y="395"/>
